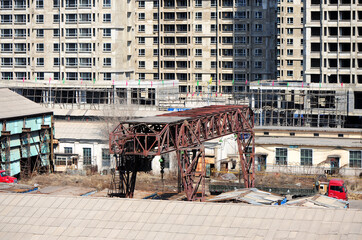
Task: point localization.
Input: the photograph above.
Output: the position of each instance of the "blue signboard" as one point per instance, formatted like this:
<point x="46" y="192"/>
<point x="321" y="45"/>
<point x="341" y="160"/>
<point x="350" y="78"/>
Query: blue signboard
<point x="177" y="109"/>
<point x="245" y="135"/>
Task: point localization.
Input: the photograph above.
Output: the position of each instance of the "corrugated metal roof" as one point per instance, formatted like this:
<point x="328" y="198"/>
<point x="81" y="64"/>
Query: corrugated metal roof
<point x="81" y="130"/>
<point x="13" y="105"/>
<point x="41" y="216"/>
<point x="248" y="195"/>
<point x="319" y="201"/>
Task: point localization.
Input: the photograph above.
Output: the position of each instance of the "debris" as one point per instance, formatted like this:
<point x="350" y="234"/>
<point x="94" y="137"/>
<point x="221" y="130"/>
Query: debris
<point x="229" y="176"/>
<point x="319" y="201"/>
<point x="251" y="196"/>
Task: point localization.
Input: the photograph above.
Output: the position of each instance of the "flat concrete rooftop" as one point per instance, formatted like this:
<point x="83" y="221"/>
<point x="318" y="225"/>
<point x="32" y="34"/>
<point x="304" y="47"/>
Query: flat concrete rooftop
<point x="55" y="217"/>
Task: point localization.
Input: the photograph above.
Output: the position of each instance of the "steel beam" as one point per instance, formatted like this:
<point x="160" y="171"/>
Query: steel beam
<point x="199" y="125"/>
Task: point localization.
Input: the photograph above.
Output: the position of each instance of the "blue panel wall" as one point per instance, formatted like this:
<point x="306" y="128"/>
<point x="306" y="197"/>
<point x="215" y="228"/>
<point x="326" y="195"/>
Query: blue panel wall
<point x="15" y="127"/>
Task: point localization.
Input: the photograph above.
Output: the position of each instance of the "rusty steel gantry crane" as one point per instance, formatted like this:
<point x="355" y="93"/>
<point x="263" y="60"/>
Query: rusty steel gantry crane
<point x="135" y="142"/>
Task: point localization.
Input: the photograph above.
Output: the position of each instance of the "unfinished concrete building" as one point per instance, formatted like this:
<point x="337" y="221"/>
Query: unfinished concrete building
<point x="333" y="48"/>
<point x="65" y="42"/>
<point x="207" y="46"/>
<point x="290" y="39"/>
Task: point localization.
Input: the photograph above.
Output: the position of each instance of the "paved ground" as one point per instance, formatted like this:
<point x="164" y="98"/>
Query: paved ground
<point x="24" y="216"/>
<point x="355" y="204"/>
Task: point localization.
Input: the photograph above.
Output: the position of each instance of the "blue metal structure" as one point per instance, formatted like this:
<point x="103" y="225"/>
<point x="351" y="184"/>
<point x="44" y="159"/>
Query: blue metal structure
<point x="26" y="137"/>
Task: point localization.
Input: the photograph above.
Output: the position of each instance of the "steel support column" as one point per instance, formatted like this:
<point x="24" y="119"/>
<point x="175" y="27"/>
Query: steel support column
<point x="188" y="159"/>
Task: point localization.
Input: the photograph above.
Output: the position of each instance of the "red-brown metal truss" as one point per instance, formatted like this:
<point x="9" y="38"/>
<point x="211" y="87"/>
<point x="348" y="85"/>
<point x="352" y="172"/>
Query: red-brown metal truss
<point x="185" y="132"/>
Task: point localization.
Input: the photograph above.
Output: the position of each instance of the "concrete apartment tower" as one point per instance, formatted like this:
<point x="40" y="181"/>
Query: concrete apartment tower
<point x="192" y="41"/>
<point x="333" y="42"/>
<point x="74" y="40"/>
<point x="290" y="22"/>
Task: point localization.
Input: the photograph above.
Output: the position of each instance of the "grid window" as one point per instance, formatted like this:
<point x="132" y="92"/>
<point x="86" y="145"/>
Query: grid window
<point x="107" y="62"/>
<point x="106" y="158"/>
<point x="290" y="73"/>
<point x="155" y="64"/>
<point x="56" y="61"/>
<point x="56" y="33"/>
<point x="198" y="28"/>
<point x="258" y="64"/>
<point x="290" y="10"/>
<point x="56" y="18"/>
<point x="281" y="156"/>
<point x="87" y="156"/>
<point x="306" y="157"/>
<point x="141" y="16"/>
<point x="39" y="3"/>
<point x="71" y="18"/>
<point x="141" y="4"/>
<point x="141" y="52"/>
<point x="198" y="3"/>
<point x="290" y="52"/>
<point x="141" y="28"/>
<point x="258" y="40"/>
<point x="355" y="159"/>
<point x="56" y="47"/>
<point x="107" y="3"/>
<point x="290" y="20"/>
<point x="198" y="40"/>
<point x="289" y="31"/>
<point x="258" y="27"/>
<point x="198" y="15"/>
<point x="56" y="3"/>
<point x="40" y="47"/>
<point x="198" y="52"/>
<point x="71" y="32"/>
<point x="6" y="18"/>
<point x="40" y="76"/>
<point x="39" y="18"/>
<point x="40" y="62"/>
<point x="141" y="76"/>
<point x="155" y="52"/>
<point x="68" y="150"/>
<point x="107" y="17"/>
<point x="107" y="47"/>
<point x="290" y="41"/>
<point x="107" y="76"/>
<point x="141" y="40"/>
<point x="72" y="76"/>
<point x="198" y="64"/>
<point x="107" y="32"/>
<point x="258" y="15"/>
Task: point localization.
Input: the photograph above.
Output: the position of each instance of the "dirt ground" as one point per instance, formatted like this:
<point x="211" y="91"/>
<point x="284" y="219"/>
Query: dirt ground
<point x="144" y="182"/>
<point x="152" y="183"/>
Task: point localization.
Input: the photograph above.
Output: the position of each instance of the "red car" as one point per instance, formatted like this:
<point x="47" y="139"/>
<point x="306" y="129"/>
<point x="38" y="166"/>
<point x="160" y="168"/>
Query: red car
<point x="7" y="179"/>
<point x="337" y="189"/>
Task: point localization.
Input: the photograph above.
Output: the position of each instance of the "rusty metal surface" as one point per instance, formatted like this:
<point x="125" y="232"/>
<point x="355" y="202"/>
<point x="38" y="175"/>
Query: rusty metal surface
<point x="185" y="132"/>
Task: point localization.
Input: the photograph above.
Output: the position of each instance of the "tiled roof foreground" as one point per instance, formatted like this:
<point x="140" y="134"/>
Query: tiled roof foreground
<point x="53" y="217"/>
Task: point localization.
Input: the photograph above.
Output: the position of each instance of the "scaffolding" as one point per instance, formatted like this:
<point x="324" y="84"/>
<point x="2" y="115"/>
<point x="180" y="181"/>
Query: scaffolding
<point x="5" y="151"/>
<point x="273" y="106"/>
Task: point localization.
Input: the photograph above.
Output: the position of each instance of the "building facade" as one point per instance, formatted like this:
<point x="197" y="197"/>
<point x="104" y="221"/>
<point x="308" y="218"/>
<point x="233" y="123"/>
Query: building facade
<point x="290" y="22"/>
<point x="66" y="40"/>
<point x="332" y="42"/>
<point x="205" y="45"/>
